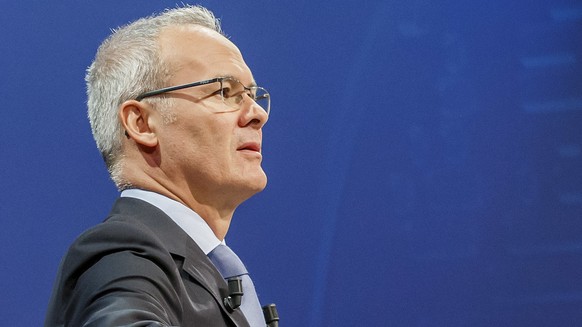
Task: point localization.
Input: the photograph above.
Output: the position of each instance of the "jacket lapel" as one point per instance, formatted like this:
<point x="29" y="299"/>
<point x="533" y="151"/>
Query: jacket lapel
<point x="196" y="263"/>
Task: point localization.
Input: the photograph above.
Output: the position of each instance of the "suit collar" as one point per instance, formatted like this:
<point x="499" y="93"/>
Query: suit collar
<point x="188" y="220"/>
<point x="177" y="242"/>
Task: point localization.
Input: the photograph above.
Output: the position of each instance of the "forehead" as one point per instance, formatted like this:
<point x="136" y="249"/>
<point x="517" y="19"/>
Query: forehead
<point x="198" y="52"/>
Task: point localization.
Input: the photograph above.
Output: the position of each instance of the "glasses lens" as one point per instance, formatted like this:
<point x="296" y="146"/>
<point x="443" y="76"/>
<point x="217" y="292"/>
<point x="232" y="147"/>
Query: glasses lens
<point x="233" y="94"/>
<point x="262" y="98"/>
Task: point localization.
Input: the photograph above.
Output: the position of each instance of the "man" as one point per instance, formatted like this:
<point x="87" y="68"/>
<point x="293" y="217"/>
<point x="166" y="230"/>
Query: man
<point x="177" y="116"/>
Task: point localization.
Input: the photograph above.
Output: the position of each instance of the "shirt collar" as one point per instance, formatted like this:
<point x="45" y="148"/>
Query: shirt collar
<point x="183" y="216"/>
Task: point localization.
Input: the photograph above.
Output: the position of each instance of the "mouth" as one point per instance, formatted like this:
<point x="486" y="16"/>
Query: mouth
<point x="250" y="146"/>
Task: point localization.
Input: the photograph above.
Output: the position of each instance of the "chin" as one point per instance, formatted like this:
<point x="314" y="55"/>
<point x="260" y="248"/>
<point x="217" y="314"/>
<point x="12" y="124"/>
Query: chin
<point x="261" y="183"/>
<point x="248" y="184"/>
<point x="258" y="183"/>
<point x="249" y="189"/>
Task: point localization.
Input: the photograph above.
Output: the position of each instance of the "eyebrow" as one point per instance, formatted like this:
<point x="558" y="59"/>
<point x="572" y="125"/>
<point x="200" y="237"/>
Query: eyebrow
<point x="253" y="83"/>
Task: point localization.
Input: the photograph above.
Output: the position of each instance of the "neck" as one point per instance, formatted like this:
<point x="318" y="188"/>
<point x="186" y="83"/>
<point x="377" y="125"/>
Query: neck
<point x="216" y="214"/>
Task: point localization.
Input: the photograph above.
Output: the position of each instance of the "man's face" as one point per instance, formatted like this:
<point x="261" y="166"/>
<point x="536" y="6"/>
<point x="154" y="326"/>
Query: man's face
<point x="211" y="150"/>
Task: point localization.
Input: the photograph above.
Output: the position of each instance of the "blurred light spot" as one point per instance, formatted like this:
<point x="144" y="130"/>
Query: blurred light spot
<point x="571" y="198"/>
<point x="567" y="14"/>
<point x="553" y="105"/>
<point x="569" y="150"/>
<point x="557" y="59"/>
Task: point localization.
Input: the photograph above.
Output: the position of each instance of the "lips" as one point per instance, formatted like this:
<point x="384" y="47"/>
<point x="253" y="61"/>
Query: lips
<point x="250" y="146"/>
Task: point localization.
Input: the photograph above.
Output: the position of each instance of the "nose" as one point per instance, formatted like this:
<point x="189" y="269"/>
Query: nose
<point x="252" y="114"/>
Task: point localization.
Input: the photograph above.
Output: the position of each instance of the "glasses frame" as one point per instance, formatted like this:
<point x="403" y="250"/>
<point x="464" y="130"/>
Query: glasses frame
<point x="205" y="82"/>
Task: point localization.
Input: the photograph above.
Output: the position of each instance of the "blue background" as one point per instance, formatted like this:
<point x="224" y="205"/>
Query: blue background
<point x="424" y="157"/>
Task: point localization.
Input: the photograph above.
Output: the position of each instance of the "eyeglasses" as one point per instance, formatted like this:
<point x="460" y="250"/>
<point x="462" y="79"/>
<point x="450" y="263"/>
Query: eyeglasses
<point x="231" y="91"/>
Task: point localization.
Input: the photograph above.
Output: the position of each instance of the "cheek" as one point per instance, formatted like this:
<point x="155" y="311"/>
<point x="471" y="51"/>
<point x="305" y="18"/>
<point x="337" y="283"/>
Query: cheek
<point x="208" y="140"/>
<point x="217" y="146"/>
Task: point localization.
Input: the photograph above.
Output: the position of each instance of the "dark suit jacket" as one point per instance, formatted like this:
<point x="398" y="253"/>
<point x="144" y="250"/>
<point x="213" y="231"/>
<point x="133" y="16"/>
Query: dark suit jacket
<point x="138" y="268"/>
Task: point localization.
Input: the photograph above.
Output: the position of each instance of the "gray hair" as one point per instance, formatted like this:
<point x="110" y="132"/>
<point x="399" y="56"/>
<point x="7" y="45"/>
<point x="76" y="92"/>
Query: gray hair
<point x="127" y="64"/>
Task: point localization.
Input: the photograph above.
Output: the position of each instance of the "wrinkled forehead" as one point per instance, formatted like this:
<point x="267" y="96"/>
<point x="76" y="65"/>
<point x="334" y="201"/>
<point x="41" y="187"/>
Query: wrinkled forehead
<point x="201" y="53"/>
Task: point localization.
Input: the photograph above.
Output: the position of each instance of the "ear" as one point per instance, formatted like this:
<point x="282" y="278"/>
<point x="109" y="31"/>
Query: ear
<point x="138" y="122"/>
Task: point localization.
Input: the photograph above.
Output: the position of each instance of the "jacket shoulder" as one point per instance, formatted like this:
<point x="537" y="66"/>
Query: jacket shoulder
<point x="119" y="262"/>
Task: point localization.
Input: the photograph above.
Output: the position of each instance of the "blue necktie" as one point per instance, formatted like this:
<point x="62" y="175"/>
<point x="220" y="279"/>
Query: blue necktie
<point x="229" y="265"/>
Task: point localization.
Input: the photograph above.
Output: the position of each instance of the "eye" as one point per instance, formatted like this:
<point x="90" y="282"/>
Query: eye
<point x="235" y="95"/>
<point x="228" y="92"/>
<point x="222" y="92"/>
